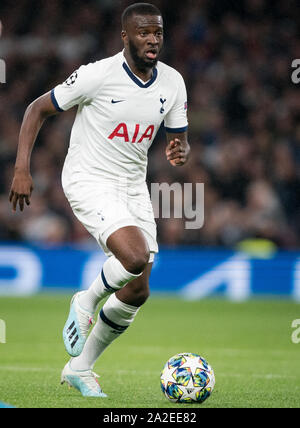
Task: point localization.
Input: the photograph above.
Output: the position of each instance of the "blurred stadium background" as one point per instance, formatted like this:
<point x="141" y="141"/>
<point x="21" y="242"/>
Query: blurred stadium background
<point x="244" y="132"/>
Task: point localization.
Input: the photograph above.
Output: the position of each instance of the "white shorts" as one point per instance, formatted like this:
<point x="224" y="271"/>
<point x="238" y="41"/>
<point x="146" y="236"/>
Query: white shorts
<point x="104" y="207"/>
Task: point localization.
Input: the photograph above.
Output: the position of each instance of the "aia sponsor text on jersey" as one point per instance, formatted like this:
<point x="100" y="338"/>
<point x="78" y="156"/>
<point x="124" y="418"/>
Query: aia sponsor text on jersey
<point x="137" y="136"/>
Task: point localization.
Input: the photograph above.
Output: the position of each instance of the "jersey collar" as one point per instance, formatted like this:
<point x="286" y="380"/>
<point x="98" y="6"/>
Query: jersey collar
<point x="138" y="81"/>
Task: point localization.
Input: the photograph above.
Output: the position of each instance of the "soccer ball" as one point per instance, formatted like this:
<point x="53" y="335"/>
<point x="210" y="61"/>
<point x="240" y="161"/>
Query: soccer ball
<point x="187" y="378"/>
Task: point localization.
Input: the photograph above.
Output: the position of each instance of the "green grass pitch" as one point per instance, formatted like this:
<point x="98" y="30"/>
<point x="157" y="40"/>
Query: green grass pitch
<point x="248" y="344"/>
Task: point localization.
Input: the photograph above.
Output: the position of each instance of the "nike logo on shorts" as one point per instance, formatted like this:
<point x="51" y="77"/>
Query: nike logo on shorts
<point x="117" y="101"/>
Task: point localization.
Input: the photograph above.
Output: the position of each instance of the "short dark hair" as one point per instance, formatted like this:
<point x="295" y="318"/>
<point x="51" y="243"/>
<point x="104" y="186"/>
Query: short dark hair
<point x="139" y="9"/>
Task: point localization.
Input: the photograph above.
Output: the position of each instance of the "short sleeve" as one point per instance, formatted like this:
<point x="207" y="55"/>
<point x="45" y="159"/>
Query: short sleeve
<point x="176" y="119"/>
<point x="79" y="88"/>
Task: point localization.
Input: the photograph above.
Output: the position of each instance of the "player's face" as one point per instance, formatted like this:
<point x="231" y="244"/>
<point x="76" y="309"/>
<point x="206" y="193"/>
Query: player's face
<point x="144" y="39"/>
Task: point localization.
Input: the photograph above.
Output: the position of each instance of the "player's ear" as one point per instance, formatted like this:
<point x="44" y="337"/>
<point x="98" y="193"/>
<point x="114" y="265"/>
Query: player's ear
<point x="124" y="36"/>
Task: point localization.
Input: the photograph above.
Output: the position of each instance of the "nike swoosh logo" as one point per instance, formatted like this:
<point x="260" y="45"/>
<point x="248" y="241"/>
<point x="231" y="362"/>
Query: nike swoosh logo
<point x="118" y="101"/>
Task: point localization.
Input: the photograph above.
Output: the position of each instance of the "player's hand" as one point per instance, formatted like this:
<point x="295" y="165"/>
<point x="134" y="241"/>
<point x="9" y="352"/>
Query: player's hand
<point x="21" y="189"/>
<point x="177" y="152"/>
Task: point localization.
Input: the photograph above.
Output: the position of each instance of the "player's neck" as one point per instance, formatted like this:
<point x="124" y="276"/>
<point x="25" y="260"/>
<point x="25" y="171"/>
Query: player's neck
<point x="144" y="75"/>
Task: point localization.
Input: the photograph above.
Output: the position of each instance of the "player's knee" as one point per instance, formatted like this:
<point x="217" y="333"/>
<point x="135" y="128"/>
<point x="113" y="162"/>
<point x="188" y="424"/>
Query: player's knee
<point x="136" y="261"/>
<point x="142" y="297"/>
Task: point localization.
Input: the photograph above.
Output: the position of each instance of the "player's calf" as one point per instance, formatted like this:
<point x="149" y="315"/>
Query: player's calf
<point x="137" y="291"/>
<point x="112" y="278"/>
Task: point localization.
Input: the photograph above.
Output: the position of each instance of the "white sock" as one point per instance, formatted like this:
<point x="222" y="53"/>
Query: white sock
<point x="114" y="318"/>
<point x="112" y="277"/>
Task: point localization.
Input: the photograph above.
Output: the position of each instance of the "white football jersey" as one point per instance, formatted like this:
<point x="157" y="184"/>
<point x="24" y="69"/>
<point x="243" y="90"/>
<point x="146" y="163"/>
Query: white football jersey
<point x="118" y="117"/>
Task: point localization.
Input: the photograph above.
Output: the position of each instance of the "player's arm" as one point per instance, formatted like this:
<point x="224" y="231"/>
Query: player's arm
<point x="35" y="114"/>
<point x="178" y="148"/>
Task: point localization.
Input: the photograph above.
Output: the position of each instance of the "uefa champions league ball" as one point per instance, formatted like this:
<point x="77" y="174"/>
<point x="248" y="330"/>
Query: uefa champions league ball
<point x="187" y="378"/>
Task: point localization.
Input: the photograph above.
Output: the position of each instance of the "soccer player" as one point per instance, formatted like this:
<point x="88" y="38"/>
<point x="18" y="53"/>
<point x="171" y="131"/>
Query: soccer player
<point x="122" y="101"/>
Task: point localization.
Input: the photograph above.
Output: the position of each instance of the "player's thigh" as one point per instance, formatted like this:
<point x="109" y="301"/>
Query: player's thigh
<point x="130" y="247"/>
<point x="101" y="209"/>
